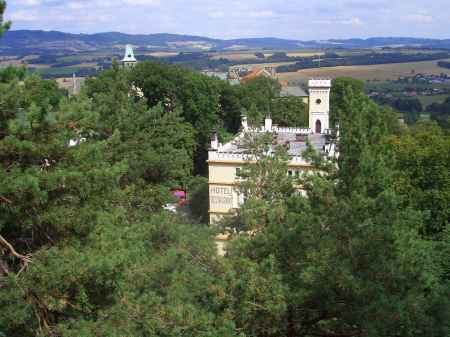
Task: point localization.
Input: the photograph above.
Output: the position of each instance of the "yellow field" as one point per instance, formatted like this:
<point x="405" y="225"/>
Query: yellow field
<point x="305" y="54"/>
<point x="381" y="72"/>
<point x="162" y="54"/>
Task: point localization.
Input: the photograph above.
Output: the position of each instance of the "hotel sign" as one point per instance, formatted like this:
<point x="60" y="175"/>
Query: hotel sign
<point x="221" y="197"/>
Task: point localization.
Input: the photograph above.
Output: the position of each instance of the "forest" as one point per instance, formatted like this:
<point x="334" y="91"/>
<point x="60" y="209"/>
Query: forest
<point x="86" y="248"/>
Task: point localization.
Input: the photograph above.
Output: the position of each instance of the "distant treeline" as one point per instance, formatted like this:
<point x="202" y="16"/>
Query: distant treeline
<point x="203" y="61"/>
<point x="333" y="60"/>
<point x="444" y="64"/>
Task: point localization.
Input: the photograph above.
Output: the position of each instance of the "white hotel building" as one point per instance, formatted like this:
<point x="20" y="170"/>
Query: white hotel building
<point x="224" y="161"/>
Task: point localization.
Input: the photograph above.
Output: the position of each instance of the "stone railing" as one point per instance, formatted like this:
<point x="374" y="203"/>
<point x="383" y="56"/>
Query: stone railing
<point x="280" y="129"/>
<point x="319" y="83"/>
<point x="304" y="131"/>
<point x="298" y="160"/>
<point x="215" y="155"/>
<point x="244" y="157"/>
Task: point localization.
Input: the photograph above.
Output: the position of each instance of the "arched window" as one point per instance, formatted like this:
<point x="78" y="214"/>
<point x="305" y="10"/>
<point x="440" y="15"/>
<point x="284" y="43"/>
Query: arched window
<point x="318" y="126"/>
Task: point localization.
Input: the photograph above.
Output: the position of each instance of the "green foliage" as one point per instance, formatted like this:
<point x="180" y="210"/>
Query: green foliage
<point x="441" y="113"/>
<point x="264" y="185"/>
<point x="86" y="249"/>
<point x="422" y="162"/>
<point x="350" y="255"/>
<point x="157" y="145"/>
<point x="199" y="199"/>
<point x="89" y="214"/>
<point x="260" y="92"/>
<point x="338" y="93"/>
<point x="196" y="95"/>
<point x="10" y="73"/>
<point x="4" y="26"/>
<point x="290" y="111"/>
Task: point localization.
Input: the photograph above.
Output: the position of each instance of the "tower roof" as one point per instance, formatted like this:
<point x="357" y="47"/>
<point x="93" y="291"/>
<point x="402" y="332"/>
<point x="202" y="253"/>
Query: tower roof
<point x="129" y="54"/>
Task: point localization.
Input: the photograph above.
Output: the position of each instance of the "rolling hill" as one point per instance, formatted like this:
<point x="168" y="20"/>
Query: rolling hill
<point x="37" y="41"/>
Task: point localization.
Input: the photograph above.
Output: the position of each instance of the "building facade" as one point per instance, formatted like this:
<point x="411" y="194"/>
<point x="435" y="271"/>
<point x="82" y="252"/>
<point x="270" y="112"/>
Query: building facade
<point x="226" y="160"/>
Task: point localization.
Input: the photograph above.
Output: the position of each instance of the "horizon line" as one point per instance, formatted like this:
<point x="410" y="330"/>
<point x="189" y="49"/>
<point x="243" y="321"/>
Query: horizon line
<point x="230" y="39"/>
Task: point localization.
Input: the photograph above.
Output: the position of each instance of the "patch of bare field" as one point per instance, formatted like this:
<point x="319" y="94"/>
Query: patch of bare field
<point x="379" y="72"/>
<point x="305" y="54"/>
<point x="261" y="65"/>
<point x="7" y="63"/>
<point x="38" y="66"/>
<point x="162" y="54"/>
<point x="67" y="82"/>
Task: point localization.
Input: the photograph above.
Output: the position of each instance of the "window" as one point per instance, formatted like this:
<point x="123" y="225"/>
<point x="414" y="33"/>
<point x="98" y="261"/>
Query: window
<point x="290" y="173"/>
<point x="238" y="172"/>
<point x="318" y="101"/>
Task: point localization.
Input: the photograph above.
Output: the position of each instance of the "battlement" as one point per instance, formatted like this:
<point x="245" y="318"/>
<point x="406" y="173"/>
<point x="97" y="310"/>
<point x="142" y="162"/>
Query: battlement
<point x="245" y="158"/>
<point x="319" y="83"/>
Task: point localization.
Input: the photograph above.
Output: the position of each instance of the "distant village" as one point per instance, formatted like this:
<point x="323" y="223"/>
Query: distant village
<point x="414" y="86"/>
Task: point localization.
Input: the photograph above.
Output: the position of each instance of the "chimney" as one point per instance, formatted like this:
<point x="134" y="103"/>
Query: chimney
<point x="268" y="123"/>
<point x="214" y="141"/>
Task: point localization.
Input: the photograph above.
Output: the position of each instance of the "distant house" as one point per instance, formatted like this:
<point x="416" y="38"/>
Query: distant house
<point x="258" y="72"/>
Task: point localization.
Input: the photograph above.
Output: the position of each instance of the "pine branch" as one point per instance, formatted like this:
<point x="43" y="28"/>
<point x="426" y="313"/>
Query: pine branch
<point x="25" y="259"/>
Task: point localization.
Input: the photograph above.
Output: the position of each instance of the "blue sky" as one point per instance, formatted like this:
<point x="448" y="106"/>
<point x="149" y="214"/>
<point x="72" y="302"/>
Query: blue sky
<point x="296" y="19"/>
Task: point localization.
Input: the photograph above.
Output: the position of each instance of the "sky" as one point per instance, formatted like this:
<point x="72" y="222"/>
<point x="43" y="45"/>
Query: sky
<point x="292" y="19"/>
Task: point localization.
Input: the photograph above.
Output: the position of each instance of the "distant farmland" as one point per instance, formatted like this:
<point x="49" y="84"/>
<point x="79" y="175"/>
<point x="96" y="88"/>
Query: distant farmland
<point x="245" y="55"/>
<point x="379" y="72"/>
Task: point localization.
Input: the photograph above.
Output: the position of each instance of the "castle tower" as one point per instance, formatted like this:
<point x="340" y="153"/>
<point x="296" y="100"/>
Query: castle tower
<point x="319" y="105"/>
<point x="129" y="60"/>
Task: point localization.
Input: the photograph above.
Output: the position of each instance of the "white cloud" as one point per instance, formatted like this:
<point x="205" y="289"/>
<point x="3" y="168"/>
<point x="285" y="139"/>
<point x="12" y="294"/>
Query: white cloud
<point x="352" y="22"/>
<point x="142" y="2"/>
<point x="23" y="16"/>
<point x="420" y="18"/>
<point x="262" y="14"/>
<point x="76" y="5"/>
<point x="216" y="15"/>
<point x="29" y="2"/>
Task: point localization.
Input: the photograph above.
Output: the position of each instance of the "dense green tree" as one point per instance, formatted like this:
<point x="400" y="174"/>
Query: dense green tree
<point x="350" y="254"/>
<point x="198" y="96"/>
<point x="82" y="187"/>
<point x="198" y="198"/>
<point x="422" y="162"/>
<point x="157" y="144"/>
<point x="339" y="88"/>
<point x="10" y="73"/>
<point x="260" y="92"/>
<point x="289" y="111"/>
<point x="440" y="112"/>
<point x="4" y="26"/>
